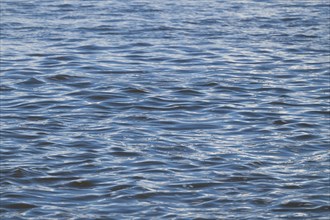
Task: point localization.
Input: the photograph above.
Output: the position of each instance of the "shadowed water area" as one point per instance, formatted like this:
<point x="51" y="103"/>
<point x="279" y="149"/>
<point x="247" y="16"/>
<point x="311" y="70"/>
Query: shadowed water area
<point x="175" y="109"/>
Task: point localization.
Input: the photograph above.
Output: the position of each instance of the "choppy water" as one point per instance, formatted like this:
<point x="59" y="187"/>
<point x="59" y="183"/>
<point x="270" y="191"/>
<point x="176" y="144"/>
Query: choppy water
<point x="175" y="109"/>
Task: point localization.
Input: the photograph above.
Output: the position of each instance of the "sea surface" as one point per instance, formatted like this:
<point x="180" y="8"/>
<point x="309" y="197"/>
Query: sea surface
<point x="176" y="109"/>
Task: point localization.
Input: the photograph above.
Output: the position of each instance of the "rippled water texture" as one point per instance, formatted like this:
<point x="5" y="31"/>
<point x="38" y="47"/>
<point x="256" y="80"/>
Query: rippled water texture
<point x="175" y="109"/>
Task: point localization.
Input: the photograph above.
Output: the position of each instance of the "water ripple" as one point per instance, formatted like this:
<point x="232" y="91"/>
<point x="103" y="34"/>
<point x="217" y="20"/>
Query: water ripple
<point x="164" y="109"/>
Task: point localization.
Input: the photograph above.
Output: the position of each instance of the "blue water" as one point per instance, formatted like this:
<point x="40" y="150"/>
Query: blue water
<point x="176" y="109"/>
